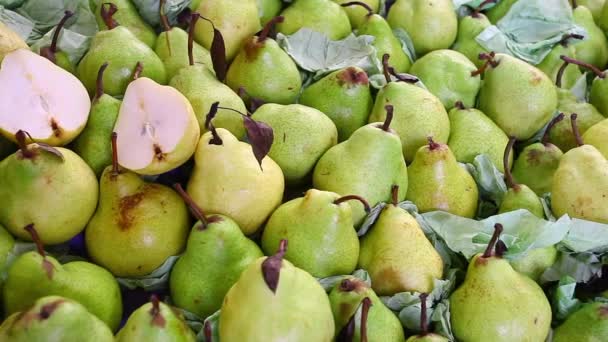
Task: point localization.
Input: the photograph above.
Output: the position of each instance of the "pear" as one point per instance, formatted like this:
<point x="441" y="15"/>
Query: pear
<point x="304" y="135"/>
<point x="599" y="89"/>
<point x="596" y="136"/>
<point x="495" y="303"/>
<point x="472" y="133"/>
<point x="10" y="41"/>
<point x="126" y="14"/>
<point x="320" y="229"/>
<point x="93" y="145"/>
<point x="324" y="16"/>
<point x="42" y="98"/>
<point x="367" y="164"/>
<point x="594" y="49"/>
<point x="418" y="114"/>
<point x="228" y="180"/>
<point x="344" y="96"/>
<point x="524" y="104"/>
<point x="435" y="171"/>
<point x="496" y="13"/>
<point x="450" y="76"/>
<point x="155" y="321"/>
<point x="425" y="335"/>
<point x="469" y="27"/>
<point x="57" y="177"/>
<point x="580" y="183"/>
<point x="7" y="242"/>
<point x="358" y="15"/>
<point x="519" y="196"/>
<point x="34" y="275"/>
<point x="216" y="255"/>
<point x="552" y="63"/>
<point x="397" y="254"/>
<point x="595" y="6"/>
<point x="537" y="162"/>
<point x="589" y="323"/>
<point x="265" y="70"/>
<point x="379" y="323"/>
<point x="270" y="288"/>
<point x="122" y="60"/>
<point x="535" y="262"/>
<point x="53" y="54"/>
<point x="603" y="19"/>
<point x="268" y="9"/>
<point x="54" y="318"/>
<point x="431" y="24"/>
<point x="137" y="225"/>
<point x="237" y="20"/>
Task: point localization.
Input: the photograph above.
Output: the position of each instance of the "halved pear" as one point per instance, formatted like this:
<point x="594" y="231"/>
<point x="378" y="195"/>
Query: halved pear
<point x="41" y="98"/>
<point x="156" y="126"/>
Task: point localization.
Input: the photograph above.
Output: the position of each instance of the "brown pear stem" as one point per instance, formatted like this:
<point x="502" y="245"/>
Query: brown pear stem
<point x="139" y="68"/>
<point x="560" y="74"/>
<point x="591" y="67"/>
<point x="460" y="105"/>
<point x="511" y="183"/>
<point x="574" y="4"/>
<point x="67" y="15"/>
<point x="36" y="238"/>
<point x="233" y="110"/>
<point x="424" y="326"/>
<point x="356" y="198"/>
<point x="163" y="16"/>
<point x="107" y="14"/>
<point x="271" y="267"/>
<point x="386" y="67"/>
<point x="553" y="122"/>
<point x="196" y="210"/>
<point x="157" y="318"/>
<point x="489" y="58"/>
<point x="370" y="11"/>
<point x="432" y="144"/>
<point x="347" y="285"/>
<point x="575" y="130"/>
<point x="193" y="19"/>
<point x="497" y="231"/>
<point x="395" y="194"/>
<point x="389" y="118"/>
<point x="479" y="8"/>
<point x="99" y="92"/>
<point x="269" y="25"/>
<point x="215" y="139"/>
<point x="566" y="38"/>
<point x="21" y="137"/>
<point x="367" y="303"/>
<point x="115" y="168"/>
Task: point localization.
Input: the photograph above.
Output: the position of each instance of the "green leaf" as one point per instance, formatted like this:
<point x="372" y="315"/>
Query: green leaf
<point x="579" y="89"/>
<point x="149" y="10"/>
<point x="563" y="301"/>
<point x="406" y="43"/>
<point x="490" y="181"/>
<point x="16" y="22"/>
<point x="10" y="4"/>
<point x="157" y="280"/>
<point x="587" y="236"/>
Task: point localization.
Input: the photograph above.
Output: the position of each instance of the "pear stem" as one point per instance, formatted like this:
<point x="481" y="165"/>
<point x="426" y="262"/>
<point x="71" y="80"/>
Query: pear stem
<point x="139" y="68"/>
<point x="196" y="210"/>
<point x="566" y="38"/>
<point x="106" y="14"/>
<point x="115" y="168"/>
<point x="389" y="118"/>
<point x="367" y="303"/>
<point x="460" y="105"/>
<point x="560" y="74"/>
<point x="395" y="194"/>
<point x="193" y="19"/>
<point x="234" y="110"/>
<point x="21" y="137"/>
<point x="553" y="122"/>
<point x="497" y="231"/>
<point x="347" y="285"/>
<point x="591" y="67"/>
<point x="424" y="326"/>
<point x="271" y="267"/>
<point x="576" y="131"/>
<point x="386" y="67"/>
<point x="99" y="92"/>
<point x="163" y="16"/>
<point x="354" y="197"/>
<point x="479" y="8"/>
<point x="157" y="318"/>
<point x="511" y="183"/>
<point x="269" y="25"/>
<point x="67" y="15"/>
<point x="370" y="11"/>
<point x="215" y="139"/>
<point x="432" y="144"/>
<point x="489" y="58"/>
<point x="574" y="4"/>
<point x="36" y="238"/>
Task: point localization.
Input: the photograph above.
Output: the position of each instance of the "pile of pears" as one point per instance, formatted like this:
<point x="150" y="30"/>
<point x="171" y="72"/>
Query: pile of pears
<point x="198" y="148"/>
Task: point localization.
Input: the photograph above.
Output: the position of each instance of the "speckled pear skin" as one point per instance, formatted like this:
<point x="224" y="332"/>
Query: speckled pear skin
<point x="172" y="48"/>
<point x="589" y="323"/>
<point x="536" y="165"/>
<point x="167" y="325"/>
<point x="598" y="96"/>
<point x="470" y="27"/>
<point x="587" y="115"/>
<point x="552" y="63"/>
<point x="594" y="49"/>
<point x="521" y="197"/>
<point x="535" y="262"/>
<point x="268" y="9"/>
<point x="323" y="16"/>
<point x="596" y="136"/>
<point x="358" y="14"/>
<point x="385" y="42"/>
<point x="427" y="338"/>
<point x="127" y="16"/>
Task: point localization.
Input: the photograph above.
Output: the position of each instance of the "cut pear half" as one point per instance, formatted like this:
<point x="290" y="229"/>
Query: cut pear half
<point x="156" y="127"/>
<point x="41" y="98"/>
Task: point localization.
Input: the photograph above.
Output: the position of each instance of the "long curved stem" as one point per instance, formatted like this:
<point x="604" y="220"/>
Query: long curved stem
<point x="354" y="197"/>
<point x="196" y="210"/>
<point x="577" y="133"/>
<point x="489" y="250"/>
<point x="553" y="122"/>
<point x="511" y="183"/>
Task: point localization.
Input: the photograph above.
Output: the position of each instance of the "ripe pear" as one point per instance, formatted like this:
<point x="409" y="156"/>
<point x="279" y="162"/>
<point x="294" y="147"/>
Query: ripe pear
<point x="598" y="96"/>
<point x="10" y="41"/>
<point x="438" y="182"/>
<point x="553" y="62"/>
<point x="237" y="20"/>
<point x="7" y="242"/>
<point x="271" y="288"/>
<point x="319" y="227"/>
<point x="589" y="323"/>
<point x="596" y="136"/>
<point x="357" y="14"/>
<point x="496" y="303"/>
<point x="126" y="15"/>
<point x="268" y="9"/>
<point x="54" y="318"/>
<point x="51" y="103"/>
<point x="595" y="6"/>
<point x="524" y="104"/>
<point x="52" y="52"/>
<point x="603" y="19"/>
<point x="431" y="24"/>
<point x="93" y="145"/>
<point x="496" y="13"/>
<point x="155" y="322"/>
<point x="425" y="335"/>
<point x="147" y="222"/>
<point x="450" y="76"/>
<point x="304" y="135"/>
<point x="380" y="323"/>
<point x="367" y="164"/>
<point x="580" y="183"/>
<point x="469" y="27"/>
<point x="397" y="254"/>
<point x="594" y="49"/>
<point x="344" y="96"/>
<point x="472" y="133"/>
<point x="228" y="180"/>
<point x="57" y="177"/>
<point x="324" y="16"/>
<point x="535" y="262"/>
<point x="216" y="255"/>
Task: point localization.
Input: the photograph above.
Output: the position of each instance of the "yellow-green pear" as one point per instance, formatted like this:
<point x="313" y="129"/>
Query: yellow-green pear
<point x="500" y="10"/>
<point x="357" y="15"/>
<point x="324" y="16"/>
<point x="469" y="27"/>
<point x="552" y="63"/>
<point x="589" y="323"/>
<point x="268" y="9"/>
<point x="10" y="41"/>
<point x="594" y="48"/>
<point x="52" y="52"/>
<point x="596" y="136"/>
<point x="127" y="15"/>
<point x="425" y="335"/>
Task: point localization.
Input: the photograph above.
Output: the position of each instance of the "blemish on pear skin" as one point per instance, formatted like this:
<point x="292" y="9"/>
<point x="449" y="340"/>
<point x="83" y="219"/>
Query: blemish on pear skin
<point x="125" y="208"/>
<point x="158" y="153"/>
<point x="352" y="77"/>
<point x="603" y="311"/>
<point x="55" y="128"/>
<point x="536" y="78"/>
<point x="45" y="312"/>
<point x="533" y="157"/>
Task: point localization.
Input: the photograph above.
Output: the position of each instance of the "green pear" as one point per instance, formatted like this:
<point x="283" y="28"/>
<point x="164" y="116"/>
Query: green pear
<point x="57" y="177"/>
<point x="270" y="288"/>
<point x="93" y="145"/>
<point x="603" y="19"/>
<point x="52" y="53"/>
<point x="10" y="41"/>
<point x="344" y="96"/>
<point x="522" y="105"/>
<point x="216" y="255"/>
<point x="380" y="323"/>
<point x="431" y="24"/>
<point x="304" y="135"/>
<point x="589" y="323"/>
<point x="596" y="136"/>
<point x="228" y="180"/>
<point x="594" y="49"/>
<point x="450" y="76"/>
<point x="553" y="62"/>
<point x="34" y="275"/>
<point x="469" y="27"/>
<point x="535" y="262"/>
<point x="595" y="6"/>
<point x="7" y="242"/>
<point x="54" y="318"/>
<point x="155" y="322"/>
<point x="357" y="14"/>
<point x="561" y="135"/>
<point x="126" y="15"/>
<point x="265" y="70"/>
<point x="268" y="9"/>
<point x="425" y="335"/>
<point x="147" y="222"/>
<point x="324" y="16"/>
<point x="580" y="182"/>
<point x="367" y="164"/>
<point x="472" y="133"/>
<point x="496" y="303"/>
<point x="237" y="20"/>
<point x="598" y="96"/>
<point x="496" y="13"/>
<point x="436" y="171"/>
<point x="518" y="196"/>
<point x="319" y="228"/>
<point x="537" y="162"/>
<point x="397" y="254"/>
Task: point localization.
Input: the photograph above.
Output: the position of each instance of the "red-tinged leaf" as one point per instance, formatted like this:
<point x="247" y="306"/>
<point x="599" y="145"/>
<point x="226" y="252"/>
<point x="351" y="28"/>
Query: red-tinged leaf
<point x="271" y="267"/>
<point x="211" y="114"/>
<point x="260" y="136"/>
<point x="218" y="55"/>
